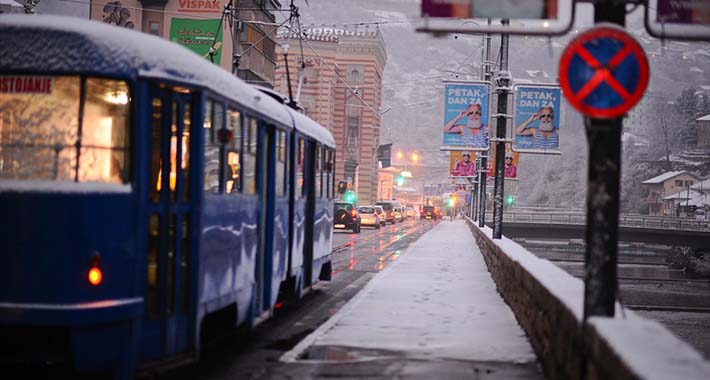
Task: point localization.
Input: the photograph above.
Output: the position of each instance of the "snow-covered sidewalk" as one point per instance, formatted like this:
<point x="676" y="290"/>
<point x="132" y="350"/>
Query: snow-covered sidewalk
<point x="437" y="301"/>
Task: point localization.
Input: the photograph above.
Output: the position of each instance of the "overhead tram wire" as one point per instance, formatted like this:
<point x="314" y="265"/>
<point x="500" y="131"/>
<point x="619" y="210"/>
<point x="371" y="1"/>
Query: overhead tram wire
<point x="219" y="29"/>
<point x="357" y="96"/>
<point x="253" y="44"/>
<point x="192" y="15"/>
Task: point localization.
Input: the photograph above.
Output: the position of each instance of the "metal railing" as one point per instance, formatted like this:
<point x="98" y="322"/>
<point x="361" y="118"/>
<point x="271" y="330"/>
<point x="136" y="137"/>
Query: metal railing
<point x="625" y="220"/>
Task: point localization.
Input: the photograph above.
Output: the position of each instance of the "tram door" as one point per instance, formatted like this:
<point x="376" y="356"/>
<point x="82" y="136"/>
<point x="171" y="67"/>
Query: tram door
<point x="265" y="167"/>
<point x="169" y="256"/>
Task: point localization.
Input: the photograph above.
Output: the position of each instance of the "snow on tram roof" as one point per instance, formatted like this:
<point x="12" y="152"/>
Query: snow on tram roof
<point x="68" y="45"/>
<point x="308" y="127"/>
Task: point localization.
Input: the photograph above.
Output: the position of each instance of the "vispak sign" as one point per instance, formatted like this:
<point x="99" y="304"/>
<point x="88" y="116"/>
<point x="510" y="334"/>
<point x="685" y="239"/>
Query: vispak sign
<point x="200" y="6"/>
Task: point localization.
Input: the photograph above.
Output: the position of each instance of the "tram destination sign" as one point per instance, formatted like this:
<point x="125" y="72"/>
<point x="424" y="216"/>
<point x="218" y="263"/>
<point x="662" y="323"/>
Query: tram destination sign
<point x="603" y="72"/>
<point x="26" y="84"/>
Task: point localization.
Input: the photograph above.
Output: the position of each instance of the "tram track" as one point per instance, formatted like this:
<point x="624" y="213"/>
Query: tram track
<point x="370" y="252"/>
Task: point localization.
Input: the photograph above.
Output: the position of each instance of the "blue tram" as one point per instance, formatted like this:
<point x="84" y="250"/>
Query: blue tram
<point x="147" y="196"/>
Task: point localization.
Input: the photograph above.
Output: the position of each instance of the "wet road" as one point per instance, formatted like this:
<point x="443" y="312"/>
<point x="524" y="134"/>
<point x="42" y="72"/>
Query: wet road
<point x="356" y="259"/>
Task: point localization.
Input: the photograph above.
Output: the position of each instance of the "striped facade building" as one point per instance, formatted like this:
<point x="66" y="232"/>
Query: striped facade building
<point x="341" y="88"/>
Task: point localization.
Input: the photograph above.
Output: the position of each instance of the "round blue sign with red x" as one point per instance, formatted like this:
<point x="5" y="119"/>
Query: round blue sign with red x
<point x="603" y="72"/>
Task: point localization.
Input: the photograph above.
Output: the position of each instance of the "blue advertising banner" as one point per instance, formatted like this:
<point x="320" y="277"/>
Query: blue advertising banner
<point x="537" y="119"/>
<point x="466" y="115"/>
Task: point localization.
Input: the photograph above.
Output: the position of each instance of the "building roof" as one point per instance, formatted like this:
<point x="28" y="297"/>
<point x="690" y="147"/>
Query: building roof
<point x="702" y="185"/>
<point x="687" y="198"/>
<point x="664" y="177"/>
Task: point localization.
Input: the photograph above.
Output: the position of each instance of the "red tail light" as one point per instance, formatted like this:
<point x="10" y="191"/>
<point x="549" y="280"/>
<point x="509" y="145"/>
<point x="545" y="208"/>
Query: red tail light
<point x="95" y="276"/>
<point x="353" y="213"/>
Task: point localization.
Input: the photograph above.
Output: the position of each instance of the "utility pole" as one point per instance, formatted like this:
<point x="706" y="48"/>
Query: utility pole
<point x="236" y="45"/>
<point x="484" y="158"/>
<point x="503" y="82"/>
<point x="474" y="185"/>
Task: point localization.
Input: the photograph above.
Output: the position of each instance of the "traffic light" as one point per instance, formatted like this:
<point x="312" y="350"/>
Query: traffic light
<point x="510" y="200"/>
<point x="400" y="181"/>
<point x="342" y="187"/>
<point x="350" y="197"/>
<point x="452" y="201"/>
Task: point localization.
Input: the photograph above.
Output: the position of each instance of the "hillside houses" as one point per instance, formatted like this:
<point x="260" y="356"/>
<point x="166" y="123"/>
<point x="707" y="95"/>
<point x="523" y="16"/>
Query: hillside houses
<point x="678" y="193"/>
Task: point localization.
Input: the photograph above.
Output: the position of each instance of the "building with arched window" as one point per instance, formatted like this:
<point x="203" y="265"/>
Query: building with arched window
<point x="336" y="75"/>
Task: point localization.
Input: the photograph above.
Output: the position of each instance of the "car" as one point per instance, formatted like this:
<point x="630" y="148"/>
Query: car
<point x="381" y="212"/>
<point x="429" y="212"/>
<point x="389" y="207"/>
<point x="409" y="212"/>
<point x="369" y="216"/>
<point x="439" y="213"/>
<point x="399" y="214"/>
<point x="346" y="217"/>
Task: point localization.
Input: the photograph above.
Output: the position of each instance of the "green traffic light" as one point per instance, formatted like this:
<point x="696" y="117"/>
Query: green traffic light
<point x="350" y="197"/>
<point x="451" y="202"/>
<point x="510" y="200"/>
<point x="400" y="181"/>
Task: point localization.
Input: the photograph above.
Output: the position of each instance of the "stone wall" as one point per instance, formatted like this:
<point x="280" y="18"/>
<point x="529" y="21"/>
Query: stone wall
<point x="547" y="303"/>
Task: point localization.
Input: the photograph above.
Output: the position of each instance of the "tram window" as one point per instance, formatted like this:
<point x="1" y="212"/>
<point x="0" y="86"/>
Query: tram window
<point x="211" y="183"/>
<point x="155" y="148"/>
<point x="299" y="169"/>
<point x="233" y="180"/>
<point x="280" y="163"/>
<point x="250" y="151"/>
<point x="104" y="133"/>
<point x="172" y="178"/>
<point x="319" y="169"/>
<point x="332" y="175"/>
<point x="329" y="172"/>
<point x="43" y="137"/>
<point x="185" y="162"/>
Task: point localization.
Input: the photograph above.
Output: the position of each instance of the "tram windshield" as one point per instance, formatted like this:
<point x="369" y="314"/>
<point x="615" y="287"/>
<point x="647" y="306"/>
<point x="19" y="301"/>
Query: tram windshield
<point x="48" y="133"/>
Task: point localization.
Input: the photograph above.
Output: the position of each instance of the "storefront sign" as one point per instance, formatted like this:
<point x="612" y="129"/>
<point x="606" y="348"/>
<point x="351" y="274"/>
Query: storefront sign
<point x="198" y="36"/>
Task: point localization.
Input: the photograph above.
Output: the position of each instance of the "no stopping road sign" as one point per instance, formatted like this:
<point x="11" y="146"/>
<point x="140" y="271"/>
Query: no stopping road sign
<point x="603" y="72"/>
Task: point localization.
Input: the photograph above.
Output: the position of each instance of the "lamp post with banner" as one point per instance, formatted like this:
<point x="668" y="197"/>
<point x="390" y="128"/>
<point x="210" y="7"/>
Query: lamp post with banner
<point x="503" y="82"/>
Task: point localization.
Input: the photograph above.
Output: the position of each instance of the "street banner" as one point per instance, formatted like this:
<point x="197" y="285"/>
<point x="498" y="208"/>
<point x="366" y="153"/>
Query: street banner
<point x="513" y="9"/>
<point x="511" y="163"/>
<point x="537" y="119"/>
<point x="198" y="36"/>
<point x="466" y="106"/>
<point x="462" y="163"/>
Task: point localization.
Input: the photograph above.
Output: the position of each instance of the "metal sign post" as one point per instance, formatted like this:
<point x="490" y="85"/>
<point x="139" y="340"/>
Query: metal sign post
<point x="603" y="74"/>
<point x="503" y="82"/>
